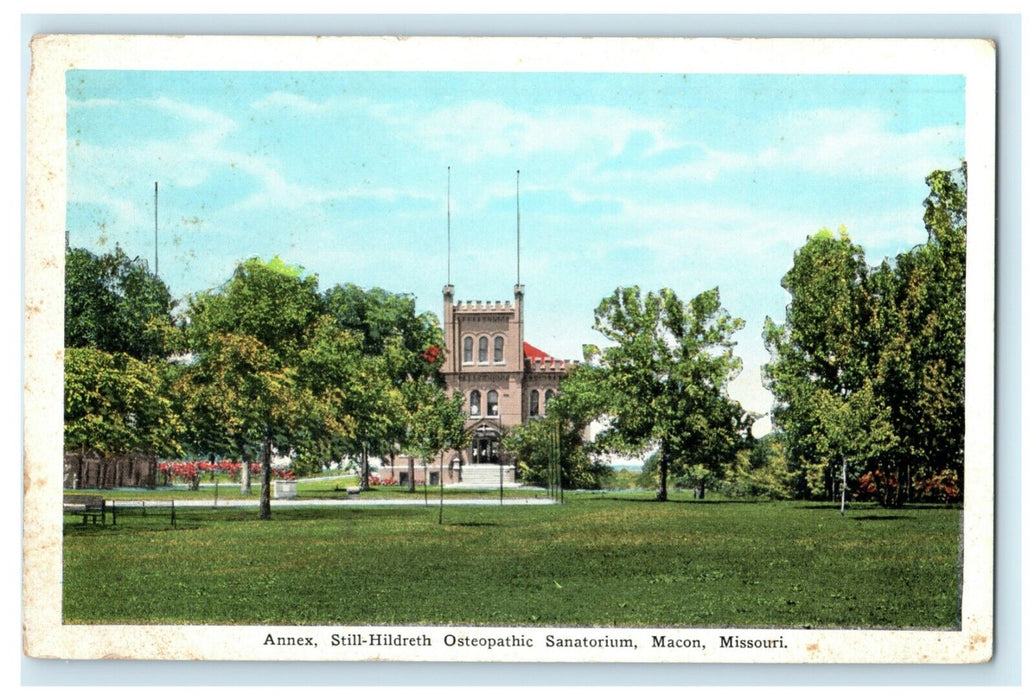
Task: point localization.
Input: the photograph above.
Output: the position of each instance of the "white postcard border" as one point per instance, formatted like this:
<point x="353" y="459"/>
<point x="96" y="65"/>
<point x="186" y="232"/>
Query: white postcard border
<point x="46" y="637"/>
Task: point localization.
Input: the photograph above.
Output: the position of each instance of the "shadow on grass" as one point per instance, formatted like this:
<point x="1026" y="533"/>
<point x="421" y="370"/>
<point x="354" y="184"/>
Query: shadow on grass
<point x="881" y="517"/>
<point x="681" y="501"/>
<point x="476" y="524"/>
<point x="873" y="505"/>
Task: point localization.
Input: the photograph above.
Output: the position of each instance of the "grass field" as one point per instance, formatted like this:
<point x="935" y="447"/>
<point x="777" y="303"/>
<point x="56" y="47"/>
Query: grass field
<point x="616" y="559"/>
<point x="331" y="488"/>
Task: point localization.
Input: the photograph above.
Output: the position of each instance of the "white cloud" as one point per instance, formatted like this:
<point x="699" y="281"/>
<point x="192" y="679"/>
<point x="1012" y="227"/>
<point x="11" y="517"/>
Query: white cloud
<point x="845" y="142"/>
<point x="821" y="142"/>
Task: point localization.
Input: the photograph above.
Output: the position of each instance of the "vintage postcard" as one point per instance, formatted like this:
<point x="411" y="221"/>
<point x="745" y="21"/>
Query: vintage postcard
<point x="520" y="350"/>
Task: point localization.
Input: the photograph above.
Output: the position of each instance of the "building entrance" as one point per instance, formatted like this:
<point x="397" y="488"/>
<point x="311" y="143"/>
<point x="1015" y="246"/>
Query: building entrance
<point x="485" y="447"/>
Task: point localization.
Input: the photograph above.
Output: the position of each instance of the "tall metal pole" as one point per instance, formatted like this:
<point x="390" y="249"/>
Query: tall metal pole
<point x="518" y="203"/>
<point x="441" y="486"/>
<point x="156" y="229"/>
<point x="449" y="229"/>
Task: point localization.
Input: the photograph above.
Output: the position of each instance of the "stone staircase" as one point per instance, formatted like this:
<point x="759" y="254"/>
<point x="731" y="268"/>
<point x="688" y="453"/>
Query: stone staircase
<point x="485" y="476"/>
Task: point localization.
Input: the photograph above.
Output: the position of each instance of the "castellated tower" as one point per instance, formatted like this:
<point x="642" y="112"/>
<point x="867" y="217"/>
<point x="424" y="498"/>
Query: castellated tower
<point x="505" y="381"/>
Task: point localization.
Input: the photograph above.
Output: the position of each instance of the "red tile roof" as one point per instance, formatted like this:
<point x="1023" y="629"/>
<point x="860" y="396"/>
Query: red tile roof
<point x="534" y="353"/>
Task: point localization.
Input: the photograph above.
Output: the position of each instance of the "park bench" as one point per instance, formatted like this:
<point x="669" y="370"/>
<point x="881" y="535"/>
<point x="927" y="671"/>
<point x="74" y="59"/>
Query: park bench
<point x="87" y="506"/>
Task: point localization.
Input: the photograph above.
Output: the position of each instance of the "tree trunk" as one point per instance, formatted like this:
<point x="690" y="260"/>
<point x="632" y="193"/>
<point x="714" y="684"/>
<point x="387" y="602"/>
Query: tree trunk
<point x="267" y="470"/>
<point x="364" y="470"/>
<point x="844" y="482"/>
<point x="700" y="490"/>
<point x="246" y="472"/>
<point x="663" y="475"/>
<point x="411" y="487"/>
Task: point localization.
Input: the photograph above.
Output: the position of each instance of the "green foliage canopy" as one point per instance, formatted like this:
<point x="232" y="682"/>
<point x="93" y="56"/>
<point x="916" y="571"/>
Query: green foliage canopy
<point x="116" y="304"/>
<point x="665" y="380"/>
<point x="867" y="369"/>
<point x="116" y="404"/>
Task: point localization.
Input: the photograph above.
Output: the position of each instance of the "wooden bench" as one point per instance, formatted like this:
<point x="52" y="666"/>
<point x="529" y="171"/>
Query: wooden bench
<point x="88" y="506"/>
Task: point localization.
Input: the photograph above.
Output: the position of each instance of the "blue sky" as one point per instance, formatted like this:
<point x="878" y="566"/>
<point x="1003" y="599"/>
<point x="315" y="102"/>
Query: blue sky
<point x="685" y="181"/>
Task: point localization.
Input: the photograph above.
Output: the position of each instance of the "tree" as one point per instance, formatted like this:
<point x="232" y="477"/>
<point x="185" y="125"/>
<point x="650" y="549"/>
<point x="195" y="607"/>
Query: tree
<point x="402" y="352"/>
<point x="817" y="360"/>
<point x="115" y="304"/>
<point x="436" y="422"/>
<point x="118" y="326"/>
<point x="560" y="434"/>
<point x="666" y="380"/>
<point x="762" y="470"/>
<point x="868" y="367"/>
<point x="925" y="360"/>
<point x="248" y="339"/>
<point x="116" y="404"/>
<point x="352" y="391"/>
<point x="388" y="322"/>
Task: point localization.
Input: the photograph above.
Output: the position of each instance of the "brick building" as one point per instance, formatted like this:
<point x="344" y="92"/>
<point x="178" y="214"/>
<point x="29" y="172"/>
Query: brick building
<point x="505" y="381"/>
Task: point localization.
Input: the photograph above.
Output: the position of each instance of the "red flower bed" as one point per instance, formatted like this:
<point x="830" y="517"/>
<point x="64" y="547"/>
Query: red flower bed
<point x="192" y="473"/>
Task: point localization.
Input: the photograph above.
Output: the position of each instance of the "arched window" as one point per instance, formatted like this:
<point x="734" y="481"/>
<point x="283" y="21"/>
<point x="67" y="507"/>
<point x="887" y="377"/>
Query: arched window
<point x="549" y="396"/>
<point x="492" y="403"/>
<point x="476" y="403"/>
<point x="483" y="350"/>
<point x="533" y="403"/>
<point x="497" y="350"/>
<point x="468" y="350"/>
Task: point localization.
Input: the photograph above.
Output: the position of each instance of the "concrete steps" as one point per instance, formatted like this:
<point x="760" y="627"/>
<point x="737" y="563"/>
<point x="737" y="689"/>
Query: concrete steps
<point x="485" y="475"/>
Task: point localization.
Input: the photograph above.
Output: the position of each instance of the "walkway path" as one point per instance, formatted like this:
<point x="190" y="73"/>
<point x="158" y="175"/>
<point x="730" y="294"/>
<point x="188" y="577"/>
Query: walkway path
<point x="330" y="502"/>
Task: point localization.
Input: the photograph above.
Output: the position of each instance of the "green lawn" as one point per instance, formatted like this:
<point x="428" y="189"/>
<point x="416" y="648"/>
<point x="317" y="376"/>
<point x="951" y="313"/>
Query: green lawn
<point x="601" y="559"/>
<point x="332" y="489"/>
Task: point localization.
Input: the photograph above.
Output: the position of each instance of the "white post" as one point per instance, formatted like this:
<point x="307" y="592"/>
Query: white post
<point x="844" y="482"/>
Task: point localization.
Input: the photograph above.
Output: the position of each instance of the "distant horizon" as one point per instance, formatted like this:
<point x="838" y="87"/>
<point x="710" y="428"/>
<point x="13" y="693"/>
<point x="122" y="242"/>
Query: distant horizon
<point x="679" y="180"/>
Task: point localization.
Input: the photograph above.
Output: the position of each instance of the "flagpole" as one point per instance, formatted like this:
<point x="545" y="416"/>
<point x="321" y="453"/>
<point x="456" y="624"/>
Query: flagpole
<point x="518" y="203"/>
<point x="156" y="229"/>
<point x="449" y="234"/>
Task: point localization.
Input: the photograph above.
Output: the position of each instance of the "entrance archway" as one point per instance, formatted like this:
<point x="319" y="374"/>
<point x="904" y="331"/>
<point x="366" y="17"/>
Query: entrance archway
<point x="485" y="445"/>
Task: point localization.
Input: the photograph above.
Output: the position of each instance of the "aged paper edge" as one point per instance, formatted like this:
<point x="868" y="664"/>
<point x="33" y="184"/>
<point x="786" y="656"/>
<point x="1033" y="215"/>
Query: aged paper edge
<point x="43" y="634"/>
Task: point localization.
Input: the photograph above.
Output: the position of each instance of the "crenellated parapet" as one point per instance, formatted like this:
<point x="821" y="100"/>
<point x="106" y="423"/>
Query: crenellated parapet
<point x="549" y="365"/>
<point x="483" y="306"/>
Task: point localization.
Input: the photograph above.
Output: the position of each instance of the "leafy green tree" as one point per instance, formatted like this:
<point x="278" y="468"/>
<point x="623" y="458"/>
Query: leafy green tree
<point x="330" y="368"/>
<point x="817" y="359"/>
<point x="403" y="354"/>
<point x="868" y="367"/>
<point x="923" y="359"/>
<point x="436" y="421"/>
<point x="248" y="339"/>
<point x="761" y="469"/>
<point x="388" y="322"/>
<point x="666" y="378"/>
<point x="116" y="304"/>
<point x="116" y="404"/>
<point x="561" y="434"/>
